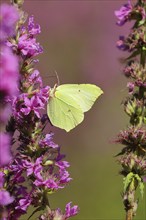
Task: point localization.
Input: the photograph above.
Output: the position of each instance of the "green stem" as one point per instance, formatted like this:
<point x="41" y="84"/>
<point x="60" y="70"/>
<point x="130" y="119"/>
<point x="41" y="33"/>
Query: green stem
<point x="129" y="214"/>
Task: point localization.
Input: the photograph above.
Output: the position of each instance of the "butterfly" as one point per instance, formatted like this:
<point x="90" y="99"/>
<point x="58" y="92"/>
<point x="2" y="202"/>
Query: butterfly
<point x="68" y="102"/>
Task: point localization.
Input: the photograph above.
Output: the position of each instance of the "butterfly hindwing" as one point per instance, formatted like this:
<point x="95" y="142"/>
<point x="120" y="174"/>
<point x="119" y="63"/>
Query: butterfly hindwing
<point x="64" y="115"/>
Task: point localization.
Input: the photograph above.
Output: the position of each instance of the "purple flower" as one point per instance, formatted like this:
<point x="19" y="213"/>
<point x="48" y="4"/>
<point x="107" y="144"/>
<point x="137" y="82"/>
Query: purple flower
<point x="22" y="105"/>
<point x="5" y="154"/>
<point x="59" y="215"/>
<point x="48" y="141"/>
<point x="62" y="164"/>
<point x="24" y="203"/>
<point x="33" y="28"/>
<point x="130" y="86"/>
<point x="28" y="46"/>
<point x="71" y="211"/>
<point x="64" y="178"/>
<point x="8" y="72"/>
<point x="8" y="18"/>
<point x="5" y="198"/>
<point x="31" y="105"/>
<point x="35" y="78"/>
<point x="33" y="168"/>
<point x="35" y="103"/>
<point x="17" y="169"/>
<point x="49" y="183"/>
<point x="121" y="44"/>
<point x="123" y="13"/>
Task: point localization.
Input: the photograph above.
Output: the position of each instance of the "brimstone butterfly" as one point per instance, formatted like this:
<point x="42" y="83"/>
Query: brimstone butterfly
<point x="68" y="102"/>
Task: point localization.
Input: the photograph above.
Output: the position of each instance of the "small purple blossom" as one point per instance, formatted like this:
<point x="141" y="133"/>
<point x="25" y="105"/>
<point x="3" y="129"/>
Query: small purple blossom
<point x="31" y="105"/>
<point x="22" y="105"/>
<point x="121" y="44"/>
<point x="35" y="103"/>
<point x="28" y="46"/>
<point x="59" y="215"/>
<point x="71" y="211"/>
<point x="5" y="198"/>
<point x="5" y="154"/>
<point x="123" y="13"/>
<point x="24" y="203"/>
<point x="17" y="169"/>
<point x="48" y="141"/>
<point x="35" y="78"/>
<point x="130" y="87"/>
<point x="49" y="183"/>
<point x="64" y="177"/>
<point x="62" y="164"/>
<point x="33" y="168"/>
<point x="8" y="18"/>
<point x="32" y="27"/>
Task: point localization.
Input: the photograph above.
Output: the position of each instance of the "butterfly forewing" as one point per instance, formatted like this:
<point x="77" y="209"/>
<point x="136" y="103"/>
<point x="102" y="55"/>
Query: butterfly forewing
<point x="83" y="94"/>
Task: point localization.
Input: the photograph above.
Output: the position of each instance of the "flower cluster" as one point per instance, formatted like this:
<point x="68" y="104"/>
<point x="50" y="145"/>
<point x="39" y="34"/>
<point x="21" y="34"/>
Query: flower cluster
<point x="58" y="215"/>
<point x="37" y="160"/>
<point x="26" y="44"/>
<point x="134" y="139"/>
<point x="133" y="154"/>
<point x="131" y="11"/>
<point x="133" y="163"/>
<point x="136" y="73"/>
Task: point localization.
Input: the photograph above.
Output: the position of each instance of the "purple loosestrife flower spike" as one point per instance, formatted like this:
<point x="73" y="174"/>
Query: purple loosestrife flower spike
<point x="8" y="88"/>
<point x="37" y="160"/>
<point x="133" y="155"/>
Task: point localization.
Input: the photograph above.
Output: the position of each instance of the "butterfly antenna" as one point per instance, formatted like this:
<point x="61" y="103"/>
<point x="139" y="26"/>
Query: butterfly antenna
<point x="58" y="81"/>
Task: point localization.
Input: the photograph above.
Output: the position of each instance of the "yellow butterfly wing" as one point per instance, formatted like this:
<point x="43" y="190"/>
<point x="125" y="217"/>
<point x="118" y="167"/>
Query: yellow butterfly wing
<point x="64" y="114"/>
<point x="83" y="94"/>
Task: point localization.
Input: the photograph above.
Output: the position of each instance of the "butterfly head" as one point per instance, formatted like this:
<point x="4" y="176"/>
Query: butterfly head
<point x="52" y="91"/>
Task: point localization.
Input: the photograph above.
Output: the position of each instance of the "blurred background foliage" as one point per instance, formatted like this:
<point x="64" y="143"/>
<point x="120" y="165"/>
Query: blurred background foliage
<point x="79" y="41"/>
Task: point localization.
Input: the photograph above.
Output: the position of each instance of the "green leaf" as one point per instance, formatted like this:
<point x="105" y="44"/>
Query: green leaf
<point x="127" y="180"/>
<point x="140" y="184"/>
<point x="36" y="210"/>
<point x="141" y="22"/>
<point x="134" y="54"/>
<point x="137" y="177"/>
<point x="141" y="187"/>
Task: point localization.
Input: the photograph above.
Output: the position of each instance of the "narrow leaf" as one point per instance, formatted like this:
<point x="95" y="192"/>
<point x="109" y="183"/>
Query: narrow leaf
<point x="128" y="180"/>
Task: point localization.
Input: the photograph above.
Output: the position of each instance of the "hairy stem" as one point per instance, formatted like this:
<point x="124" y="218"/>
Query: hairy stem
<point x="129" y="214"/>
